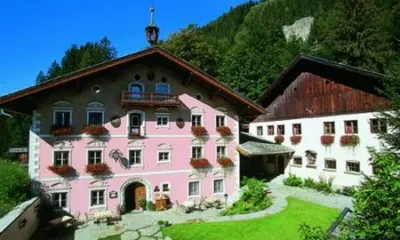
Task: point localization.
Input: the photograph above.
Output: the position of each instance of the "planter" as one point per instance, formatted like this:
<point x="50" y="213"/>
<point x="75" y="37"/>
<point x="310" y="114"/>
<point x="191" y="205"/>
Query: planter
<point x="161" y="204"/>
<point x="63" y="170"/>
<point x="295" y="139"/>
<point x="94" y="130"/>
<point x="97" y="169"/>
<point x="225" y="162"/>
<point x="279" y="139"/>
<point x="327" y="140"/>
<point x="61" y="130"/>
<point x="224" y="131"/>
<point x="350" y="140"/>
<point x="200" y="163"/>
<point x="199" y="131"/>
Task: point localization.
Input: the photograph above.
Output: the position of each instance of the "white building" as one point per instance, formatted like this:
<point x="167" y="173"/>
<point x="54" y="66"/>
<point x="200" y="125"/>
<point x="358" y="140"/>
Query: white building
<point x="316" y="100"/>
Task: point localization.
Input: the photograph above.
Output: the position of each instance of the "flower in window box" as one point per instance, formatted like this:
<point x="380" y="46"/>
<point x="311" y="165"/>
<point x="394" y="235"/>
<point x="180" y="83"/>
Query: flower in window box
<point x="199" y="131"/>
<point x="350" y="140"/>
<point x="94" y="130"/>
<point x="61" y="130"/>
<point x="224" y="131"/>
<point x="63" y="170"/>
<point x="97" y="169"/>
<point x="225" y="162"/>
<point x="327" y="140"/>
<point x="279" y="139"/>
<point x="200" y="163"/>
<point x="295" y="139"/>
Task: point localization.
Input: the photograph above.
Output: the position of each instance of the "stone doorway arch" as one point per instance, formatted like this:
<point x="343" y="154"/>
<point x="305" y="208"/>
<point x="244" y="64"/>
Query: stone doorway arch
<point x="129" y="185"/>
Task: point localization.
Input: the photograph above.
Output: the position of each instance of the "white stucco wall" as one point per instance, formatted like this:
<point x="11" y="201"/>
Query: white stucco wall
<point x="312" y="130"/>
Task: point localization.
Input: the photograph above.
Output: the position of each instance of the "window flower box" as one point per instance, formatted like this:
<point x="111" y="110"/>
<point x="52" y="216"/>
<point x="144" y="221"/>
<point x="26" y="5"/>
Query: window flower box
<point x="279" y="139"/>
<point x="63" y="170"/>
<point x="199" y="131"/>
<point x="224" y="131"/>
<point x="200" y="163"/>
<point x="295" y="139"/>
<point x="97" y="169"/>
<point x="350" y="140"/>
<point x="225" y="162"/>
<point x="327" y="140"/>
<point x="94" y="130"/>
<point x="61" y="130"/>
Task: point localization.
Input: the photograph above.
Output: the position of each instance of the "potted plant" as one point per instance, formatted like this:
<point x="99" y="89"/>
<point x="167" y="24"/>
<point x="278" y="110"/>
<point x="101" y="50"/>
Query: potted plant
<point x="199" y="131"/>
<point x="224" y="131"/>
<point x="94" y="130"/>
<point x="295" y="139"/>
<point x="327" y="140"/>
<point x="63" y="170"/>
<point x="97" y="169"/>
<point x="200" y="163"/>
<point x="57" y="130"/>
<point x="225" y="162"/>
<point x="350" y="140"/>
<point x="279" y="139"/>
<point x="142" y="203"/>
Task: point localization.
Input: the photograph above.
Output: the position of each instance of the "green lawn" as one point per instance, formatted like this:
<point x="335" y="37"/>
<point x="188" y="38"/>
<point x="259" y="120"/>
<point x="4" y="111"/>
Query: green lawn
<point x="283" y="225"/>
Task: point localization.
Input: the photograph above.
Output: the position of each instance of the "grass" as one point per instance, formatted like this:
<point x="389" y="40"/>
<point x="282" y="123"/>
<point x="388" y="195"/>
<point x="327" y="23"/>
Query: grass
<point x="282" y="226"/>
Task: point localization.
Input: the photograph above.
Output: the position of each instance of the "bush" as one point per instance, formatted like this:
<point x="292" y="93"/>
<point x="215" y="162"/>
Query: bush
<point x="349" y="191"/>
<point x="254" y="198"/>
<point x="313" y="233"/>
<point x="324" y="185"/>
<point x="150" y="206"/>
<point x="143" y="203"/>
<point x="293" y="181"/>
<point x="309" y="183"/>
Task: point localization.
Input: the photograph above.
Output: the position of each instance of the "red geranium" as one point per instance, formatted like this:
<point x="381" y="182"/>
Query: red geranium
<point x="279" y="139"/>
<point x="295" y="139"/>
<point x="63" y="170"/>
<point x="94" y="130"/>
<point x="97" y="169"/>
<point x="327" y="140"/>
<point x="224" y="131"/>
<point x="350" y="140"/>
<point x="199" y="131"/>
<point x="200" y="163"/>
<point x="225" y="162"/>
<point x="61" y="130"/>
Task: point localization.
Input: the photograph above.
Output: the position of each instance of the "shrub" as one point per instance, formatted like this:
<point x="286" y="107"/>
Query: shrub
<point x="313" y="233"/>
<point x="150" y="206"/>
<point x="293" y="181"/>
<point x="254" y="198"/>
<point x="224" y="131"/>
<point x="309" y="183"/>
<point x="279" y="139"/>
<point x="142" y="203"/>
<point x="295" y="139"/>
<point x="349" y="191"/>
<point x="324" y="185"/>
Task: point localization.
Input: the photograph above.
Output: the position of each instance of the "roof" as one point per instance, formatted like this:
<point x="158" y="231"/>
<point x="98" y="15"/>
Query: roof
<point x="256" y="146"/>
<point x="200" y="76"/>
<point x="347" y="75"/>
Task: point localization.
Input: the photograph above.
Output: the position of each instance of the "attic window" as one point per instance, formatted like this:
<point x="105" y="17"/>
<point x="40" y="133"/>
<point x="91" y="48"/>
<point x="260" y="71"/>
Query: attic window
<point x="199" y="97"/>
<point x="96" y="89"/>
<point x="137" y="77"/>
<point x="164" y="79"/>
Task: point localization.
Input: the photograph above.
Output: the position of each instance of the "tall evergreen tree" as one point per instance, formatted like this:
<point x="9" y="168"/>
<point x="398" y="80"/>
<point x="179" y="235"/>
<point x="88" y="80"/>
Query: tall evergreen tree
<point x="41" y="78"/>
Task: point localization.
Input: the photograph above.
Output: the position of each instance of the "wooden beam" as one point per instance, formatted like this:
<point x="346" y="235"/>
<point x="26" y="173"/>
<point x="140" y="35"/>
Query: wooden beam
<point x="214" y="93"/>
<point x="188" y="79"/>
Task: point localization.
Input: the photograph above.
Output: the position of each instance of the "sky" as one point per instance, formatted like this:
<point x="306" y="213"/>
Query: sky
<point x="35" y="33"/>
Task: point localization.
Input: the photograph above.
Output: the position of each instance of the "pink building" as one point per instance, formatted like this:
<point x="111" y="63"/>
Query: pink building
<point x="121" y="131"/>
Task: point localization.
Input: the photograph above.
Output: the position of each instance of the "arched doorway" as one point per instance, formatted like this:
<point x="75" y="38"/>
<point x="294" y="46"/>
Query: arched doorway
<point x="134" y="192"/>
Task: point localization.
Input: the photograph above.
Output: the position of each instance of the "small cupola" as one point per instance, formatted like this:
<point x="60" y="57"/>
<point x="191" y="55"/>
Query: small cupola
<point x="152" y="31"/>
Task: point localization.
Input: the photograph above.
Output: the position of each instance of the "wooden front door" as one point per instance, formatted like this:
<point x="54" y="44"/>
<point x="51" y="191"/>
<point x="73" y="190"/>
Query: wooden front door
<point x="139" y="193"/>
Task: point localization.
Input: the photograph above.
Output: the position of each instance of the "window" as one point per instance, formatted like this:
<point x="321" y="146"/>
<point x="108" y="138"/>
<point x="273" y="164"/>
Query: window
<point x="378" y="126"/>
<point x="95" y="118"/>
<point x="197" y="152"/>
<point x="353" y="166"/>
<point x="218" y="186"/>
<point x="135" y="157"/>
<point x="281" y="130"/>
<point x="297" y="161"/>
<point x="271" y="130"/>
<point x="94" y="157"/>
<point x="297" y="129"/>
<point x="97" y="198"/>
<point x="61" y="158"/>
<point x="221" y="151"/>
<point x="165" y="187"/>
<point x="194" y="189"/>
<point x="330" y="163"/>
<point x="59" y="199"/>
<point x="259" y="130"/>
<point x="162" y="121"/>
<point x="329" y="127"/>
<point x="196" y="120"/>
<point x="220" y="121"/>
<point x="62" y="118"/>
<point x="162" y="88"/>
<point x="163" y="156"/>
<point x="350" y="127"/>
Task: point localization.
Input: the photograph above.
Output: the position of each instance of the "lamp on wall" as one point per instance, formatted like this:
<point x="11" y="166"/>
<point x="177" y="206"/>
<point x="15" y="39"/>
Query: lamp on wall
<point x="156" y="189"/>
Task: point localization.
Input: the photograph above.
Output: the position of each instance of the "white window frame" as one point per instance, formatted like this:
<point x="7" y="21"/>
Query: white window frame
<point x="95" y="111"/>
<point x="163" y="151"/>
<point x="188" y="188"/>
<point x="225" y="121"/>
<point x="331" y="169"/>
<point x="216" y="150"/>
<point x="295" y="164"/>
<point x="66" y="201"/>
<point x="55" y="111"/>
<point x="162" y="189"/>
<point x="90" y="198"/>
<point x="262" y="130"/>
<point x="202" y="151"/>
<point x="196" y="115"/>
<point x="141" y="165"/>
<point x="94" y="149"/>
<point x="162" y="115"/>
<point x="62" y="150"/>
<point x="195" y="111"/>
<point x="223" y="186"/>
<point x="142" y="127"/>
<point x="350" y="171"/>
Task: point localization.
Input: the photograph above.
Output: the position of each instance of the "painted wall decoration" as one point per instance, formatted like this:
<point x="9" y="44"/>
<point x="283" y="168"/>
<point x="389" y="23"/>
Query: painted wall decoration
<point x="180" y="123"/>
<point x="117" y="155"/>
<point x="116" y="121"/>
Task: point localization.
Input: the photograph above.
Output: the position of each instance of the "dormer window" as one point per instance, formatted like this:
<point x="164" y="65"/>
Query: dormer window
<point x="62" y="114"/>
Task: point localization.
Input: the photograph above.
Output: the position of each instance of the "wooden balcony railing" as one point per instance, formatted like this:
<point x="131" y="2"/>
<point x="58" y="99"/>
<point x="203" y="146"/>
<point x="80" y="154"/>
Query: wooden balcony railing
<point x="148" y="99"/>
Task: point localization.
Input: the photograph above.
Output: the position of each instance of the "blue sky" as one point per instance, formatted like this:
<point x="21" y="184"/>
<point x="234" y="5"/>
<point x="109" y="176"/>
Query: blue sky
<point x="34" y="33"/>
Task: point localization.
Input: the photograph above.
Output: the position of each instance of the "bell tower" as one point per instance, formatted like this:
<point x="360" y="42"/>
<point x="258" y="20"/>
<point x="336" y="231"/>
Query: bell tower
<point x="152" y="31"/>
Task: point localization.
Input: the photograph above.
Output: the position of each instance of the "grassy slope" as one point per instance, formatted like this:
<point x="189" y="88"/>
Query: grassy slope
<point x="282" y="226"/>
